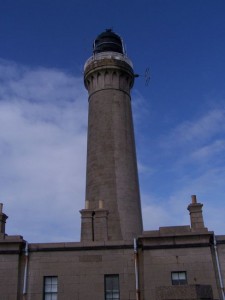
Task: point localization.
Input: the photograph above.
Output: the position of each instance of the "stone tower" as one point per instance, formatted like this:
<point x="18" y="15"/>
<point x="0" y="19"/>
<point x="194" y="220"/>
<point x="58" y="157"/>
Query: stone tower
<point x="112" y="208"/>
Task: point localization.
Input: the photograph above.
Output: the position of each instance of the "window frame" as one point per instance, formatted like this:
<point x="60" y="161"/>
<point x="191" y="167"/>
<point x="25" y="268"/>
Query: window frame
<point x="51" y="292"/>
<point x="113" y="291"/>
<point x="179" y="281"/>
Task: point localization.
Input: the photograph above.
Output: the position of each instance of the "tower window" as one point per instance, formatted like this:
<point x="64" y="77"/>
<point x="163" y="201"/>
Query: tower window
<point x="112" y="290"/>
<point x="50" y="287"/>
<point x="179" y="278"/>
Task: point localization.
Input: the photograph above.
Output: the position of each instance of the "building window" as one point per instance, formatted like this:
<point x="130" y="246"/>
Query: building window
<point x="50" y="287"/>
<point x="179" y="278"/>
<point x="112" y="289"/>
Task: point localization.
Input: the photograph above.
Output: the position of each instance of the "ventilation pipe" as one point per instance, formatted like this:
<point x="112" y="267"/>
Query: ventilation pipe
<point x="218" y="268"/>
<point x="136" y="270"/>
<point x="25" y="271"/>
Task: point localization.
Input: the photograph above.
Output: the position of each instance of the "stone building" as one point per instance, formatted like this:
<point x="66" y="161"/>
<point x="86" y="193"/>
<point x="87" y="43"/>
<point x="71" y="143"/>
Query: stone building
<point x="115" y="259"/>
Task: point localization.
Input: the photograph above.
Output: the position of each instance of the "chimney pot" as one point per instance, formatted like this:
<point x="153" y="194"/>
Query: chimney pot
<point x="193" y="199"/>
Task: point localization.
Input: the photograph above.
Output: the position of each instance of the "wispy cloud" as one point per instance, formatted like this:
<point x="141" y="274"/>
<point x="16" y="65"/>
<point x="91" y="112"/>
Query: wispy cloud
<point x="209" y="151"/>
<point x="194" y="132"/>
<point x="189" y="159"/>
<point x="43" y="119"/>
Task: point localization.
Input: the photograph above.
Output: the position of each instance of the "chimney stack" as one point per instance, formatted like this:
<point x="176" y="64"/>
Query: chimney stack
<point x="3" y="219"/>
<point x="196" y="217"/>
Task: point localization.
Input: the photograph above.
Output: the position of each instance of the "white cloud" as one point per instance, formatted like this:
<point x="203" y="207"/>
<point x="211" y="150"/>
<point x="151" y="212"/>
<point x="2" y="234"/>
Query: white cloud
<point x="144" y="169"/>
<point x="43" y="119"/>
<point x="156" y="213"/>
<point x="188" y="160"/>
<point x="191" y="133"/>
<point x="209" y="151"/>
<point x="196" y="143"/>
<point x="209" y="188"/>
<point x="172" y="210"/>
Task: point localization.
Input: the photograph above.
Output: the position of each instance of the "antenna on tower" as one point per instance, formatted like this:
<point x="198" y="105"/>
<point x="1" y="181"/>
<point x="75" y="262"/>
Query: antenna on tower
<point x="146" y="76"/>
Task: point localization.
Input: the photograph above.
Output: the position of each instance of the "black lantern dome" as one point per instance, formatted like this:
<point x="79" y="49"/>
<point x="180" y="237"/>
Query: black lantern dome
<point x="108" y="41"/>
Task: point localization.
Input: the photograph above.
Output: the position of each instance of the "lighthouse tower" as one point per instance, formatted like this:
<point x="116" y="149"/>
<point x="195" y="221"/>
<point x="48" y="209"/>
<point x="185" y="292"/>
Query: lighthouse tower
<point x="112" y="206"/>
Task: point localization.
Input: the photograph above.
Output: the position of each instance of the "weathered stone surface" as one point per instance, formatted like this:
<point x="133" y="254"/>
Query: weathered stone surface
<point x="112" y="177"/>
<point x="184" y="292"/>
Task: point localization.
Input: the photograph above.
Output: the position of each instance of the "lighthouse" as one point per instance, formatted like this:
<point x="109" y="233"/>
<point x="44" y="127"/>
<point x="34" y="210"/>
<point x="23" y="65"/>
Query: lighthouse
<point x="112" y="209"/>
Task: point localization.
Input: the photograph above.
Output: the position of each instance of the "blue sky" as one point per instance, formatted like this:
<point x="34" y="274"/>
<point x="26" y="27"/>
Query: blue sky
<point x="179" y="117"/>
